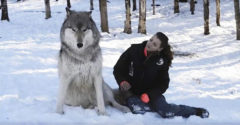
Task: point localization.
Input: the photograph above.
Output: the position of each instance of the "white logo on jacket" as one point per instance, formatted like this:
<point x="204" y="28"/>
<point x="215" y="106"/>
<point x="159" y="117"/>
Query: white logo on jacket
<point x="160" y="62"/>
<point x="131" y="69"/>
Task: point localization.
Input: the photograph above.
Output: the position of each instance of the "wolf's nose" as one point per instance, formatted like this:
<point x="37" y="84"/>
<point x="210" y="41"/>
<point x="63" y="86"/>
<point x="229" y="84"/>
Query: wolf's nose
<point x="79" y="45"/>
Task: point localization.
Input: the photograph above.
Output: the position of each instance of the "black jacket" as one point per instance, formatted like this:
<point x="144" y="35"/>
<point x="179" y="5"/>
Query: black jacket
<point x="145" y="75"/>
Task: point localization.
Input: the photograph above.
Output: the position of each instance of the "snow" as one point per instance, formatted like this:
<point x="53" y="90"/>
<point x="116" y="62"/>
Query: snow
<point x="208" y="77"/>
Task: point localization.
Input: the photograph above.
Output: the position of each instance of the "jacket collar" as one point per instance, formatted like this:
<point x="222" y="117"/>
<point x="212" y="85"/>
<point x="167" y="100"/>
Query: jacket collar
<point x="145" y="52"/>
<point x="145" y="49"/>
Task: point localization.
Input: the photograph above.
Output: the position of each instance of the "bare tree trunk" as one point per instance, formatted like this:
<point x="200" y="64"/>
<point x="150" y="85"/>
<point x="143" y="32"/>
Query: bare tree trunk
<point x="4" y="10"/>
<point x="91" y="5"/>
<point x="192" y="6"/>
<point x="218" y="12"/>
<point x="142" y="17"/>
<point x="127" y="25"/>
<point x="237" y="17"/>
<point x="206" y="16"/>
<point x="47" y="9"/>
<point x="134" y="5"/>
<point x="176" y="6"/>
<point x="182" y="0"/>
<point x="153" y="4"/>
<point x="104" y="16"/>
<point x="69" y="4"/>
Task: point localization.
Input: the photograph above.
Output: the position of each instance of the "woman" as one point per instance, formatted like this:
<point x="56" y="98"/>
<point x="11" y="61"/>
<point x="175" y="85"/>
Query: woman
<point x="142" y="75"/>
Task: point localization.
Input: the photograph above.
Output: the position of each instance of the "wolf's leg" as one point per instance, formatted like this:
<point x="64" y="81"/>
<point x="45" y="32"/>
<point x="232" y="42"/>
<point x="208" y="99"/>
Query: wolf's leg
<point x="120" y="107"/>
<point x="98" y="84"/>
<point x="64" y="83"/>
<point x="109" y="97"/>
<point x="121" y="96"/>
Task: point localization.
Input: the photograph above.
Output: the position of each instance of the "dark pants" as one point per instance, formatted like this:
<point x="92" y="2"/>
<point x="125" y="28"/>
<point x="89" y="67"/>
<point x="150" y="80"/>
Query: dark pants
<point x="159" y="105"/>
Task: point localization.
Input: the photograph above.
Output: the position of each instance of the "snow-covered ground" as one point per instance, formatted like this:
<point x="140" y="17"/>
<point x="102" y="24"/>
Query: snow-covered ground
<point x="209" y="77"/>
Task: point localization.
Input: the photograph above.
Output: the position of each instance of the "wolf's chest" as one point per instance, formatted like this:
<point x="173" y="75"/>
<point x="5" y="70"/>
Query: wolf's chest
<point x="84" y="75"/>
<point x="89" y="68"/>
<point x="83" y="67"/>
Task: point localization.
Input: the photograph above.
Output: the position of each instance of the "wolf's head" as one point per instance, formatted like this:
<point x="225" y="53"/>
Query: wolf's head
<point x="79" y="30"/>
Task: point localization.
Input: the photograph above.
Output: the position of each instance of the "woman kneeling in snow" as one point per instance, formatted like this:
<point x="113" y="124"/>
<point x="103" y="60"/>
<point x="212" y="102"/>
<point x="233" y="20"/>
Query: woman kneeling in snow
<point x="142" y="75"/>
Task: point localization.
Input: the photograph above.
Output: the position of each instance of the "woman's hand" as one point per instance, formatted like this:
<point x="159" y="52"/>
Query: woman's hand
<point x="125" y="86"/>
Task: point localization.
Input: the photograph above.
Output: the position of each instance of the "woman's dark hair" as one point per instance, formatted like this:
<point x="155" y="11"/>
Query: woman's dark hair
<point x="166" y="47"/>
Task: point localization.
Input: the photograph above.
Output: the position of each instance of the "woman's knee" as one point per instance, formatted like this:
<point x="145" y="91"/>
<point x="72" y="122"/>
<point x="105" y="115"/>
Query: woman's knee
<point x="159" y="103"/>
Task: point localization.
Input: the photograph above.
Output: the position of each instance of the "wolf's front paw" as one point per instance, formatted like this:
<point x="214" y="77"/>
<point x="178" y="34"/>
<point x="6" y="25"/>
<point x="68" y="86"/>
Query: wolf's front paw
<point x="99" y="112"/>
<point x="60" y="111"/>
<point x="126" y="109"/>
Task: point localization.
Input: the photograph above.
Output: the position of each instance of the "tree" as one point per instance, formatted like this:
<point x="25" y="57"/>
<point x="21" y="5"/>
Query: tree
<point x="153" y="4"/>
<point x="91" y="5"/>
<point x="142" y="17"/>
<point x="23" y="0"/>
<point x="47" y="9"/>
<point x="104" y="16"/>
<point x="134" y="5"/>
<point x="237" y="17"/>
<point x="176" y="6"/>
<point x="218" y="12"/>
<point x="206" y="16"/>
<point x="4" y="10"/>
<point x="192" y="6"/>
<point x="68" y="4"/>
<point x="127" y="25"/>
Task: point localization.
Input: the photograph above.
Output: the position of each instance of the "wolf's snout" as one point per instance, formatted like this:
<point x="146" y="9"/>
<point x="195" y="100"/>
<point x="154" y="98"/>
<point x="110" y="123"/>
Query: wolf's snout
<point x="79" y="45"/>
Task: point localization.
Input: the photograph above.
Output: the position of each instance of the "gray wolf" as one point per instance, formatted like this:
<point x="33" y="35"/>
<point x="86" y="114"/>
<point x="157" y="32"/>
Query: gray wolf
<point x="80" y="66"/>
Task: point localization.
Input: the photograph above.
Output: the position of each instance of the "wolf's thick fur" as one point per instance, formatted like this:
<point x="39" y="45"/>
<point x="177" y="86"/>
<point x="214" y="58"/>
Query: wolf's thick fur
<point x="80" y="66"/>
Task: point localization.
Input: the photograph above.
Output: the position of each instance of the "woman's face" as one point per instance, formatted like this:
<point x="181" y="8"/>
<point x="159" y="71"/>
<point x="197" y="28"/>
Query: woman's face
<point x="154" y="44"/>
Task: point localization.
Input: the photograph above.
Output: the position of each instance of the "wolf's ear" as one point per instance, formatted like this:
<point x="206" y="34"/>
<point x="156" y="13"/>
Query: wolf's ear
<point x="69" y="12"/>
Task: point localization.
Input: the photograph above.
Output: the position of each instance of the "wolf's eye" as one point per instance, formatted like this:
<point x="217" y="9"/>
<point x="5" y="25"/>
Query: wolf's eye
<point x="84" y="30"/>
<point x="74" y="29"/>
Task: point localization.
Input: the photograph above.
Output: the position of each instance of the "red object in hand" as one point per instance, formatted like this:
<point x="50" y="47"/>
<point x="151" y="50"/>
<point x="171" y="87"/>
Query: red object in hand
<point x="145" y="98"/>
